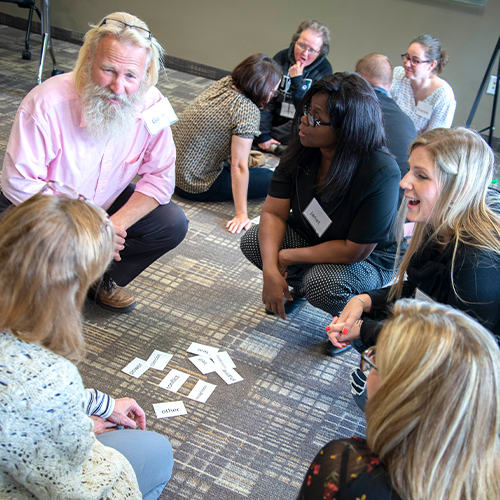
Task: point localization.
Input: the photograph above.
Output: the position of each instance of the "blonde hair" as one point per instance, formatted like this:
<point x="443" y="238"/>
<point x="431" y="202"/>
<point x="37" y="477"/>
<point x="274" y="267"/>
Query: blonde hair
<point x="51" y="250"/>
<point x="125" y="35"/>
<point x="464" y="169"/>
<point x="434" y="419"/>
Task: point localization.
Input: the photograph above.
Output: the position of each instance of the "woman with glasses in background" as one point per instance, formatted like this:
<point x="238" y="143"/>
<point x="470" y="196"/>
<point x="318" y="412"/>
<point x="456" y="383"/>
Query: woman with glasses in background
<point x="432" y="415"/>
<point x="341" y="186"/>
<point x="51" y="249"/>
<point x="418" y="90"/>
<point x="304" y="62"/>
<point x="214" y="135"/>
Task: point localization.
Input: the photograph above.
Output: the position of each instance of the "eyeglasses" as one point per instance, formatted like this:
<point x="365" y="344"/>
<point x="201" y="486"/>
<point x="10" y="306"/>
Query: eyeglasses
<point x="305" y="48"/>
<point x="312" y="121"/>
<point x="60" y="189"/>
<point x="142" y="31"/>
<point x="413" y="60"/>
<point x="366" y="362"/>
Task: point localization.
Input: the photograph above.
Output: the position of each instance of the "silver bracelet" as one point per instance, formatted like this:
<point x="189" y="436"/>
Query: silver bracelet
<point x="360" y="299"/>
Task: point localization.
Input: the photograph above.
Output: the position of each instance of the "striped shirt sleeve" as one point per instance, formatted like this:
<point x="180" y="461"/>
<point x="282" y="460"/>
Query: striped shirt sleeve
<point x="98" y="403"/>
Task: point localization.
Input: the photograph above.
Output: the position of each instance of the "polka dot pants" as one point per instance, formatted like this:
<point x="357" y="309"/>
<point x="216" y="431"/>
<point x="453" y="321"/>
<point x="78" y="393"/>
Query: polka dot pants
<point x="326" y="286"/>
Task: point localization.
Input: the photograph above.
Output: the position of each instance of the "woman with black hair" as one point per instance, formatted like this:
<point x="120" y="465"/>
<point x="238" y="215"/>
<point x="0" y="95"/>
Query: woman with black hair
<point x="325" y="227"/>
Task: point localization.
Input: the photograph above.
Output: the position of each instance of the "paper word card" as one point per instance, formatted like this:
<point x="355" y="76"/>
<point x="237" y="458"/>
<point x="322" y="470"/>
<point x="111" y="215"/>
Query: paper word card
<point x="174" y="409"/>
<point x="202" y="350"/>
<point x="228" y="375"/>
<point x="158" y="360"/>
<point x="174" y="380"/>
<point x="201" y="391"/>
<point x="223" y="359"/>
<point x="205" y="365"/>
<point x="136" y="368"/>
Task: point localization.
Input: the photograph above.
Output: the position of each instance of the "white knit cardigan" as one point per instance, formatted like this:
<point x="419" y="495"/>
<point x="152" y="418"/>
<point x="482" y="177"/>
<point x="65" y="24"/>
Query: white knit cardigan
<point x="47" y="447"/>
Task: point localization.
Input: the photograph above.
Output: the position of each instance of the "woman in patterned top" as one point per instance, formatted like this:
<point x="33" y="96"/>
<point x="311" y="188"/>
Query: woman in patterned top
<point x="51" y="249"/>
<point x="432" y="417"/>
<point x="214" y="135"/>
<point x="425" y="97"/>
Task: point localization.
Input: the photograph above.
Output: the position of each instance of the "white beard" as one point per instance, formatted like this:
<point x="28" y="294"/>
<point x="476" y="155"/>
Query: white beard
<point x="106" y="120"/>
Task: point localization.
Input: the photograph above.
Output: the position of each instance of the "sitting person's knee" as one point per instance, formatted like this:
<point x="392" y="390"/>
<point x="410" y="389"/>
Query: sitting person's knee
<point x="325" y="295"/>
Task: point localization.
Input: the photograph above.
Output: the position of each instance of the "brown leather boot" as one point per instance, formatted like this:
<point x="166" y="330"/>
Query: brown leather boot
<point x="110" y="296"/>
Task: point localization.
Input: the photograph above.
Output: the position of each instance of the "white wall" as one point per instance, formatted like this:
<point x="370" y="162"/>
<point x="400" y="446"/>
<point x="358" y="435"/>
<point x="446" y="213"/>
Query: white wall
<point x="221" y="33"/>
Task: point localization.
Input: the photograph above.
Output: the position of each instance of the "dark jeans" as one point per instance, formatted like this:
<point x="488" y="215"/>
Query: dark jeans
<point x="221" y="189"/>
<point x="147" y="240"/>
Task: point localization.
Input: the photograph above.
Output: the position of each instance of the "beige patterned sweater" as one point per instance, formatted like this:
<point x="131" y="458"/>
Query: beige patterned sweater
<point x="47" y="447"/>
<point x="204" y="132"/>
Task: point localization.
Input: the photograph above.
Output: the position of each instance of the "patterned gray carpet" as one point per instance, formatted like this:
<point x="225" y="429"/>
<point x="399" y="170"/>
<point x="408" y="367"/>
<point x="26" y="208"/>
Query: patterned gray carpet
<point x="253" y="439"/>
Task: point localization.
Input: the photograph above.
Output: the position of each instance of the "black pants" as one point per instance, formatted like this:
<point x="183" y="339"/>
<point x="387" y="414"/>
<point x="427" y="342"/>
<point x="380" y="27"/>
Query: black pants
<point x="147" y="240"/>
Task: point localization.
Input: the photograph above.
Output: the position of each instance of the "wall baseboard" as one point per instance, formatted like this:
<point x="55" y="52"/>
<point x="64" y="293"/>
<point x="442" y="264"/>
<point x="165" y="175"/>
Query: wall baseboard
<point x="171" y="62"/>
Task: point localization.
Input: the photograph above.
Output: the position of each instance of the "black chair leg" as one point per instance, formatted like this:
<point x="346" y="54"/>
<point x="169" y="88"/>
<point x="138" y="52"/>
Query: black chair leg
<point x="26" y="51"/>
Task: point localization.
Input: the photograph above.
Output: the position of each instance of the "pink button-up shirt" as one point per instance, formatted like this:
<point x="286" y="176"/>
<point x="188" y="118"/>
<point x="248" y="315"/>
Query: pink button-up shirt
<point x="49" y="141"/>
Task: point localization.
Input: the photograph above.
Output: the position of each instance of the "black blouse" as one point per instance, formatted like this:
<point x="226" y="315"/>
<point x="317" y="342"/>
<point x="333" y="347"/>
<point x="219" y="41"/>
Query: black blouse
<point x="366" y="213"/>
<point x="476" y="278"/>
<point x="346" y="469"/>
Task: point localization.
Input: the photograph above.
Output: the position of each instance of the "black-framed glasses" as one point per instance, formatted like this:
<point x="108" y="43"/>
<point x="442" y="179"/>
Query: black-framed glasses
<point x="312" y="121"/>
<point x="367" y="360"/>
<point x="305" y="48"/>
<point x="59" y="189"/>
<point x="142" y="31"/>
<point x="413" y="60"/>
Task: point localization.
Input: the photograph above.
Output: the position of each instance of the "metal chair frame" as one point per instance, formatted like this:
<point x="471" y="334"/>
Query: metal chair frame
<point x="44" y="15"/>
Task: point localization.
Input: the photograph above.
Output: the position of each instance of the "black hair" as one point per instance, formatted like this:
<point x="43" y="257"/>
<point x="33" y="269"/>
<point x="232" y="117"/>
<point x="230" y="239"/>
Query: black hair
<point x="357" y="121"/>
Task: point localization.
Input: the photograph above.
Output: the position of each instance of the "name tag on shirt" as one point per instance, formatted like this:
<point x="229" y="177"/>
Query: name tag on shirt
<point x="306" y="83"/>
<point x="159" y="116"/>
<point x="285" y="84"/>
<point x="423" y="109"/>
<point x="287" y="110"/>
<point x="317" y="217"/>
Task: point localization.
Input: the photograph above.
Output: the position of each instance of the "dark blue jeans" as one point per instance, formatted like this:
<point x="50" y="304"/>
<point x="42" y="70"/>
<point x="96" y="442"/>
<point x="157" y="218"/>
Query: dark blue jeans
<point x="221" y="189"/>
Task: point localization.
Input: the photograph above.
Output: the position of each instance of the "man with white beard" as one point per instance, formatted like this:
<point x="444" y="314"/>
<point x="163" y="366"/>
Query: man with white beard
<point x="92" y="131"/>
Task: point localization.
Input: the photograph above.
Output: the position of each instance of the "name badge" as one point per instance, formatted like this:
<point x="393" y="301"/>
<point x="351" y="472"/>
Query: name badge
<point x="419" y="295"/>
<point x="285" y="84"/>
<point x="159" y="116"/>
<point x="317" y="217"/>
<point x="423" y="109"/>
<point x="306" y="83"/>
<point x="287" y="110"/>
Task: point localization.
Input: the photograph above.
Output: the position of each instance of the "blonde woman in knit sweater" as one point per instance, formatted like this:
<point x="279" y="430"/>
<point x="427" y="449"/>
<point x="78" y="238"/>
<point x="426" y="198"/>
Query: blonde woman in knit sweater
<point x="51" y="249"/>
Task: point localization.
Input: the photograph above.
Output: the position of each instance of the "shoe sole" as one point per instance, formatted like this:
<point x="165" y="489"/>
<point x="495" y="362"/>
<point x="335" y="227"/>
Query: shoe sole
<point x="95" y="300"/>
